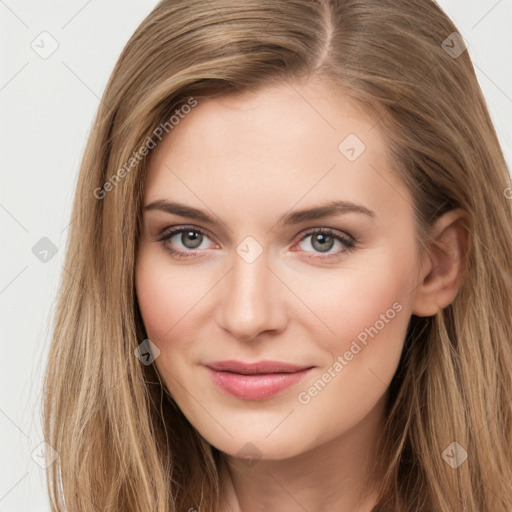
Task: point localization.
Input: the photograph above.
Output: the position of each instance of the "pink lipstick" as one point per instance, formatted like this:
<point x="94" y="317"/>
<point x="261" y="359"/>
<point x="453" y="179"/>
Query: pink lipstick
<point x="255" y="381"/>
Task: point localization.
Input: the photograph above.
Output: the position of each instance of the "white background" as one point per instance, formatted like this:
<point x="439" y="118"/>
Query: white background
<point x="47" y="107"/>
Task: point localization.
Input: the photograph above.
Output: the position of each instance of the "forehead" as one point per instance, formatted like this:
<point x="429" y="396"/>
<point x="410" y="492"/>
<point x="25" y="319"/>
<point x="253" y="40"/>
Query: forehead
<point x="282" y="145"/>
<point x="272" y="116"/>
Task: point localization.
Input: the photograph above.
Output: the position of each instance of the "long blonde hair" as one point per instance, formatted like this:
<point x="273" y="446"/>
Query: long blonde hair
<point x="123" y="444"/>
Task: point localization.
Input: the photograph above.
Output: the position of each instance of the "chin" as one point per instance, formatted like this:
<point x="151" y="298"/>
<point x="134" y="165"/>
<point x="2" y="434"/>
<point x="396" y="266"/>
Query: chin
<point x="259" y="447"/>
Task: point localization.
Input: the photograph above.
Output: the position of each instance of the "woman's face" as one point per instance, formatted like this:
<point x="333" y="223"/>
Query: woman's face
<point x="256" y="284"/>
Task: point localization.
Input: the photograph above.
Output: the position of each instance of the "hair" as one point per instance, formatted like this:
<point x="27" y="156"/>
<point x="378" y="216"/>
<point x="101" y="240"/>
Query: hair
<point x="123" y="443"/>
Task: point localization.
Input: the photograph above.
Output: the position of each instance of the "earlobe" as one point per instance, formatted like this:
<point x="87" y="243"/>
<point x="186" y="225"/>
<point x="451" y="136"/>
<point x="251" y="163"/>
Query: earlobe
<point x="447" y="251"/>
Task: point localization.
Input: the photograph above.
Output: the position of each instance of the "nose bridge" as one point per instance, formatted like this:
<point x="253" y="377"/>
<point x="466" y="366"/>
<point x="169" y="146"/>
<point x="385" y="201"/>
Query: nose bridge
<point x="251" y="300"/>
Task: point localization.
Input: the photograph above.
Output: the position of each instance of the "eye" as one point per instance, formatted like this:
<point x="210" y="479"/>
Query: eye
<point x="191" y="238"/>
<point x="322" y="240"/>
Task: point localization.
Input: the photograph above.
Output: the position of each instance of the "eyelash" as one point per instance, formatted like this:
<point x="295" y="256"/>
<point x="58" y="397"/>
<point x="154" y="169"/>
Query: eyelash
<point x="348" y="241"/>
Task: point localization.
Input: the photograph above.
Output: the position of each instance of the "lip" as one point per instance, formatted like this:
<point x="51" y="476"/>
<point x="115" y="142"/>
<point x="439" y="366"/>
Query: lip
<point x="258" y="367"/>
<point x="255" y="381"/>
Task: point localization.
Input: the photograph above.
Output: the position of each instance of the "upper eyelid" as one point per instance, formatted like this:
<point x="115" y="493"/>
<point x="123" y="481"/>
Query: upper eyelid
<point x="174" y="230"/>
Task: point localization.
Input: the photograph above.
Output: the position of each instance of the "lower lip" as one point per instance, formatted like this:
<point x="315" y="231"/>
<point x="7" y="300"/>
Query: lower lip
<point x="255" y="387"/>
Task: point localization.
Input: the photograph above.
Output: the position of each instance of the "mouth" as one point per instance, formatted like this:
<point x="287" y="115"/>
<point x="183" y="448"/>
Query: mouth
<point x="255" y="381"/>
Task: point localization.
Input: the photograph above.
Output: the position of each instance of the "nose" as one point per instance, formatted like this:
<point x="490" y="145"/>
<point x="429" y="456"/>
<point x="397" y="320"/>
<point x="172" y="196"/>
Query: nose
<point x="252" y="300"/>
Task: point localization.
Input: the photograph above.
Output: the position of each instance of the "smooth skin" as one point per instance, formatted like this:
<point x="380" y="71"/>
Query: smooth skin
<point x="246" y="160"/>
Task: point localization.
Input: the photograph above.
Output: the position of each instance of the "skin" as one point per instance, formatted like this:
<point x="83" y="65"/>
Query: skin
<point x="247" y="159"/>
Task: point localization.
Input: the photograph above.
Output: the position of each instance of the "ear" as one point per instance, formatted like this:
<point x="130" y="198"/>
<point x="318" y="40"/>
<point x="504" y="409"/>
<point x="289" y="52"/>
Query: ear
<point x="443" y="265"/>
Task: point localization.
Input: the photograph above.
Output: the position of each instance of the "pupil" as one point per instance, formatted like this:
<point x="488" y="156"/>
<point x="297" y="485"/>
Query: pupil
<point x="324" y="242"/>
<point x="192" y="236"/>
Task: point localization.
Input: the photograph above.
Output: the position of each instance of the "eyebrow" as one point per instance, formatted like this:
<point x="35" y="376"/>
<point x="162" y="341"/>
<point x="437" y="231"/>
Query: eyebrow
<point x="296" y="217"/>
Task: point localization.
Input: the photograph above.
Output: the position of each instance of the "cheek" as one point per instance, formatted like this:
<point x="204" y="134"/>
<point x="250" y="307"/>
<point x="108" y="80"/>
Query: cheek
<point x="166" y="295"/>
<point x="166" y="300"/>
<point x="155" y="301"/>
<point x="367" y="309"/>
<point x="369" y="293"/>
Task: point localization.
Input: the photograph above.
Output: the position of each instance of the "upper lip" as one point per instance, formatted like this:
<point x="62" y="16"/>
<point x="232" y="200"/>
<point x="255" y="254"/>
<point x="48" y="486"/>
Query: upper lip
<point x="259" y="367"/>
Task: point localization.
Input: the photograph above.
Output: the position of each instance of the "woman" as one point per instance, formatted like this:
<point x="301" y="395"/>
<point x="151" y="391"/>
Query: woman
<point x="291" y="282"/>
